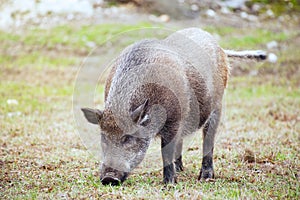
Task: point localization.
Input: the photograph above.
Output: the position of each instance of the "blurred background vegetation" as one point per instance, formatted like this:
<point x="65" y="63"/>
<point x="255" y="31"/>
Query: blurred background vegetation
<point x="173" y="7"/>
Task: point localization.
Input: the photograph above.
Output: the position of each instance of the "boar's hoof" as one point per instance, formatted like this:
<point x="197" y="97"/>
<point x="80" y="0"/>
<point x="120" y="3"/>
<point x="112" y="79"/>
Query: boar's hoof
<point x="110" y="180"/>
<point x="206" y="174"/>
<point x="170" y="180"/>
<point x="178" y="165"/>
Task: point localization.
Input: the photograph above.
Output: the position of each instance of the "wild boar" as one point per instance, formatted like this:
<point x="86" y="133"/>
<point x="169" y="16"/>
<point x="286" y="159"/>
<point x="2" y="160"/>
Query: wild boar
<point x="167" y="88"/>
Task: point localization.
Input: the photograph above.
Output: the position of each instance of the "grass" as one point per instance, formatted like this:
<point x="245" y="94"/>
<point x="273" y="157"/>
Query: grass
<point x="39" y="48"/>
<point x="31" y="98"/>
<point x="36" y="60"/>
<point x="67" y="35"/>
<point x="43" y="157"/>
<point x="249" y="38"/>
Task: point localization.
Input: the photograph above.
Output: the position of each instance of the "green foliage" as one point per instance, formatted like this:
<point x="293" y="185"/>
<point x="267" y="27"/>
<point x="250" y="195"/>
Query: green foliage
<point x="279" y="7"/>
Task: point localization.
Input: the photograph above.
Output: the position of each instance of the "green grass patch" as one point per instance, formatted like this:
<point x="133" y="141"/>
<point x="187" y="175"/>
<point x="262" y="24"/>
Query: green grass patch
<point x="30" y="98"/>
<point x="251" y="88"/>
<point x="40" y="48"/>
<point x="36" y="60"/>
<point x="221" y="30"/>
<point x="5" y="37"/>
<point x="237" y="38"/>
<point x="72" y="36"/>
<point x="253" y="38"/>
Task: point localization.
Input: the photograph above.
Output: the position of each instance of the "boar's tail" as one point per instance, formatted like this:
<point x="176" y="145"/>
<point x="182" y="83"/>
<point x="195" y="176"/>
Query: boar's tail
<point x="248" y="54"/>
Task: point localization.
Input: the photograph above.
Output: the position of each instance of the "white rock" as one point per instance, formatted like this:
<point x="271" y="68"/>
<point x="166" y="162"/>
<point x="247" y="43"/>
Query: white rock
<point x="256" y="7"/>
<point x="235" y="3"/>
<point x="18" y="23"/>
<point x="211" y="13"/>
<point x="161" y="18"/>
<point x="272" y="58"/>
<point x="253" y="73"/>
<point x="13" y="114"/>
<point x="70" y="17"/>
<point x="225" y="10"/>
<point x="12" y="102"/>
<point x="272" y="45"/>
<point x="164" y="18"/>
<point x="252" y="18"/>
<point x="270" y="13"/>
<point x="90" y="44"/>
<point x="194" y="7"/>
<point x="244" y="15"/>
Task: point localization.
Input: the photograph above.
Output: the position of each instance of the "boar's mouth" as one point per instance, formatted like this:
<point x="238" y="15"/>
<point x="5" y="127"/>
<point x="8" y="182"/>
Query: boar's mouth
<point x="110" y="180"/>
<point x="114" y="180"/>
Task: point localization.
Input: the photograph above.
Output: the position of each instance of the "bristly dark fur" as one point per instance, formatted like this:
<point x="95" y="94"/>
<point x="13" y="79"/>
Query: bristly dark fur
<point x="156" y="94"/>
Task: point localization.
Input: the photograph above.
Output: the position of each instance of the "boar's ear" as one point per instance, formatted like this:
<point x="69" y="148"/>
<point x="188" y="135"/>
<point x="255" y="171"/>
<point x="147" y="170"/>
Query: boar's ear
<point x="92" y="115"/>
<point x="139" y="114"/>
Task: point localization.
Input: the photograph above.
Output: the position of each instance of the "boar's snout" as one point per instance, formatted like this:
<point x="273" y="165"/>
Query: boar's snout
<point x="113" y="177"/>
<point x="110" y="180"/>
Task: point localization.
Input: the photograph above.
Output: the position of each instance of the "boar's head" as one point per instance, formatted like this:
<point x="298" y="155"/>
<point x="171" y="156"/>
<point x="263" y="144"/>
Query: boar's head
<point x="122" y="150"/>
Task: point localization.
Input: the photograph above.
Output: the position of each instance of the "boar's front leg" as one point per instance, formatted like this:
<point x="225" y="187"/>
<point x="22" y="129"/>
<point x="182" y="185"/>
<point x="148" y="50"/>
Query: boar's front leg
<point x="168" y="149"/>
<point x="209" y="131"/>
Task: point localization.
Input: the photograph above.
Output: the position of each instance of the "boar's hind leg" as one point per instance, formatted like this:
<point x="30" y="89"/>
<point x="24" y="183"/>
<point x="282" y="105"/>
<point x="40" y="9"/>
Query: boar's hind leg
<point x="168" y="149"/>
<point x="209" y="131"/>
<point x="178" y="156"/>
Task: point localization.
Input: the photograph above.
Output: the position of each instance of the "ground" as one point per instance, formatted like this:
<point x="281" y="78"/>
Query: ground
<point x="42" y="154"/>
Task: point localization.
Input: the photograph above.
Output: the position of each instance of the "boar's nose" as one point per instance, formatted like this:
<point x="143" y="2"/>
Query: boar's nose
<point x="110" y="180"/>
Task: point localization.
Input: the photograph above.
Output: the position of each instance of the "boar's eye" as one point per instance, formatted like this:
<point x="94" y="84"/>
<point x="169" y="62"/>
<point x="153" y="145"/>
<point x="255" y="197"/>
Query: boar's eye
<point x="127" y="139"/>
